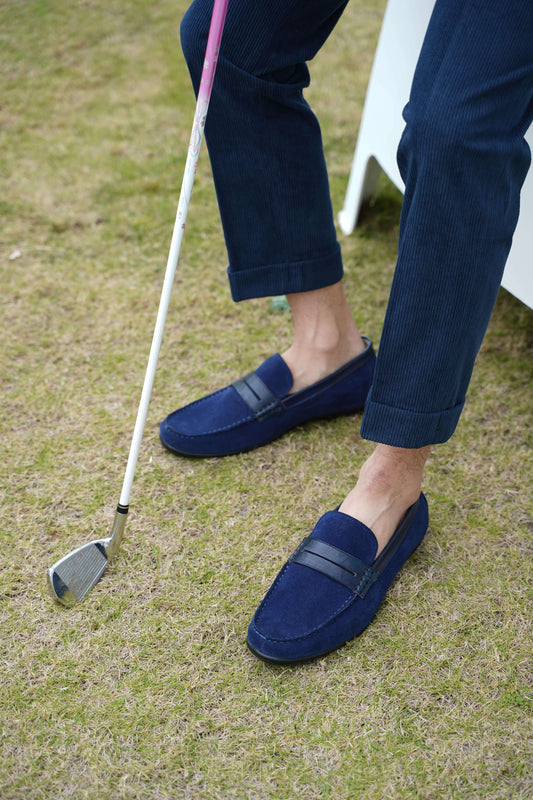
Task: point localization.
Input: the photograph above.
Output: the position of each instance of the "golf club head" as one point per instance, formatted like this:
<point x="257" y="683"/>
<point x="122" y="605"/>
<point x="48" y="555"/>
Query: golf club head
<point x="72" y="577"/>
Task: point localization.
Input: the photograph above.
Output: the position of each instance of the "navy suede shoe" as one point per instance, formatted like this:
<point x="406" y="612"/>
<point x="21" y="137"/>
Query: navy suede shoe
<point x="331" y="587"/>
<point x="258" y="408"/>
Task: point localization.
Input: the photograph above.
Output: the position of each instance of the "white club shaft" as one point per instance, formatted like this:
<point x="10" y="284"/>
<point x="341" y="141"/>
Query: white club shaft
<point x="170" y="274"/>
<point x="204" y="94"/>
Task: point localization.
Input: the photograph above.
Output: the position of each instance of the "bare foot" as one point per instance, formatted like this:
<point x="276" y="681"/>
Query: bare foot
<point x="389" y="483"/>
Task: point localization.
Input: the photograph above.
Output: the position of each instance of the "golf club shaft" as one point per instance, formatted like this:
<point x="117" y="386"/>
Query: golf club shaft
<point x="204" y="94"/>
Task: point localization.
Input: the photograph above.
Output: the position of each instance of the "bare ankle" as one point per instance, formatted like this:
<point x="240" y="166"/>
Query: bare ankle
<point x="392" y="470"/>
<point x="325" y="335"/>
<point x="395" y="473"/>
<point x="389" y="483"/>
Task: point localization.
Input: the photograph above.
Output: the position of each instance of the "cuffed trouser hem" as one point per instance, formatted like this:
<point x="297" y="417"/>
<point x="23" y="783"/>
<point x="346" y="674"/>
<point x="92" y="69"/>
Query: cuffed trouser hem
<point x="296" y="276"/>
<point x="401" y="428"/>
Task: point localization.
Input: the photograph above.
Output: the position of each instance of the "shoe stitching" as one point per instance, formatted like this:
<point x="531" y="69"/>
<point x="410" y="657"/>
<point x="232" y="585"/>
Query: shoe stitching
<point x="265" y="411"/>
<point x="176" y="414"/>
<point x="210" y="433"/>
<point x="268" y="599"/>
<point x="283" y="403"/>
<point x="369" y="577"/>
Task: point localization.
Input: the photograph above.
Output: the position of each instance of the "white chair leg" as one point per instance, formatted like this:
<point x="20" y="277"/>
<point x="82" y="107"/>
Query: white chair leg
<point x="361" y="186"/>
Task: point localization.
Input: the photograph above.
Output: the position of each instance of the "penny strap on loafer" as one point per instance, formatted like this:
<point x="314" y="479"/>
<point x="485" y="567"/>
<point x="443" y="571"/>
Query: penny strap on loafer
<point x="342" y="567"/>
<point x="257" y="396"/>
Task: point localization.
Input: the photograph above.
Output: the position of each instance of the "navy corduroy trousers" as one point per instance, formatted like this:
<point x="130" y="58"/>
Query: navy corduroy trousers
<point x="462" y="156"/>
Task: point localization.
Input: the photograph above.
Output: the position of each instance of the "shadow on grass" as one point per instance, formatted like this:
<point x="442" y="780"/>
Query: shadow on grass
<point x="514" y="316"/>
<point x="381" y="215"/>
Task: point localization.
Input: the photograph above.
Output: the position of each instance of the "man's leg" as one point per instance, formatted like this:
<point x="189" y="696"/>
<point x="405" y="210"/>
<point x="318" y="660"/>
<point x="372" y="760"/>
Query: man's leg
<point x="270" y="174"/>
<point x="265" y="143"/>
<point x="463" y="158"/>
<point x="325" y="335"/>
<point x="272" y="187"/>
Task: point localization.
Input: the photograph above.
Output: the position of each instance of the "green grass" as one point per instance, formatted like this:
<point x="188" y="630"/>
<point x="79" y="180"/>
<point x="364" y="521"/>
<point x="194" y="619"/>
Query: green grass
<point x="146" y="690"/>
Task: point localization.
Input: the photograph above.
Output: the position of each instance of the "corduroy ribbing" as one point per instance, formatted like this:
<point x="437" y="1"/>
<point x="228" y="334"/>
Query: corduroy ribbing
<point x="401" y="427"/>
<point x="265" y="144"/>
<point x="293" y="276"/>
<point x="463" y="158"/>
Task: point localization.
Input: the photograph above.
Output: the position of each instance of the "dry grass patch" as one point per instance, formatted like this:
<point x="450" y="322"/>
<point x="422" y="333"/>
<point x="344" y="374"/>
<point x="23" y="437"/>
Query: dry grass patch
<point x="147" y="690"/>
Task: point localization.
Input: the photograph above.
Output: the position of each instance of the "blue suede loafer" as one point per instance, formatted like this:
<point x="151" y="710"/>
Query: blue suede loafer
<point x="258" y="408"/>
<point x="331" y="587"/>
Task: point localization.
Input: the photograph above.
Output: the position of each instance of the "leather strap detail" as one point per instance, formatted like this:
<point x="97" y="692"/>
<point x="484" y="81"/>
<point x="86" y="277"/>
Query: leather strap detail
<point x="342" y="567"/>
<point x="257" y="396"/>
<point x="334" y="554"/>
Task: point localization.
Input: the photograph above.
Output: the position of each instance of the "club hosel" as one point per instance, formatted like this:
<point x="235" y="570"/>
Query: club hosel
<point x="117" y="530"/>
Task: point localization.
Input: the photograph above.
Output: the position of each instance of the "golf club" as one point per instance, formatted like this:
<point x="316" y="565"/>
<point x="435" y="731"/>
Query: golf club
<point x="72" y="577"/>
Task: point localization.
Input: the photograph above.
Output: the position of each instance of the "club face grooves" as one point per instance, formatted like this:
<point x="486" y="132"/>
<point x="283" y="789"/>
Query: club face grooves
<point x="72" y="577"/>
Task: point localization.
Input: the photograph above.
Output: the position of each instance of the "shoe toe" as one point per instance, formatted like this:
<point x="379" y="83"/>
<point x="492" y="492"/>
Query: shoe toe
<point x="307" y="613"/>
<point x="298" y="616"/>
<point x="195" y="427"/>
